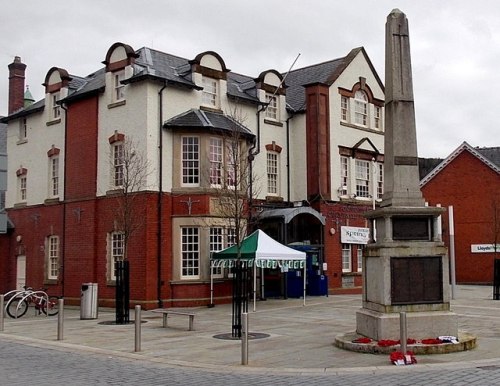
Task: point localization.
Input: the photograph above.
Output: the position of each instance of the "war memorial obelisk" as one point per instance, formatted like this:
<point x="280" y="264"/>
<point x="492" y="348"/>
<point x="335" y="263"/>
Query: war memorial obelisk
<point x="405" y="265"/>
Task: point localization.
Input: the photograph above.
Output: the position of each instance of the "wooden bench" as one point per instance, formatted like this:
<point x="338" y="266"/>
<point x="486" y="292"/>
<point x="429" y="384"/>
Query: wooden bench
<point x="166" y="312"/>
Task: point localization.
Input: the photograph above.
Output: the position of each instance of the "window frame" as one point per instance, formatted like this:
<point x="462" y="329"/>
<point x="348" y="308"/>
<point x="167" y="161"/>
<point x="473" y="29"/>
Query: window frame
<point x="55" y="109"/>
<point x="23" y="129"/>
<point x="361" y="108"/>
<point x="53" y="249"/>
<point x="117" y="164"/>
<point x="22" y="188"/>
<point x="210" y="92"/>
<point x="344" y="175"/>
<point x="272" y="173"/>
<point x="190" y="168"/>
<point x="380" y="180"/>
<point x="118" y="86"/>
<point x="272" y="109"/>
<point x="116" y="251"/>
<point x="216" y="157"/>
<point x="54" y="176"/>
<point x="359" y="257"/>
<point x="190" y="252"/>
<point x="344" y="108"/>
<point x="377" y="117"/>
<point x="346" y="258"/>
<point x="362" y="171"/>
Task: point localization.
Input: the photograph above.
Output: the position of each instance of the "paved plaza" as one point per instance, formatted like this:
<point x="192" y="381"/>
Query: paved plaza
<point x="299" y="343"/>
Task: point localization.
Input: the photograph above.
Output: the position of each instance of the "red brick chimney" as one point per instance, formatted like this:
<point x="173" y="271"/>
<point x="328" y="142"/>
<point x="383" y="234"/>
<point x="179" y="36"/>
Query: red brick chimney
<point x="16" y="85"/>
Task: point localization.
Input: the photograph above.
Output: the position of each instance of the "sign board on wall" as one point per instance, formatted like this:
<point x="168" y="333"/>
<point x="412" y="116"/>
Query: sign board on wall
<point x="484" y="248"/>
<point x="354" y="235"/>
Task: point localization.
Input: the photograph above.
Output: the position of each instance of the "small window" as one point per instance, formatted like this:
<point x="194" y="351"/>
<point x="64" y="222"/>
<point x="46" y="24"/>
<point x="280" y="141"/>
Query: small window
<point x="272" y="173"/>
<point x="359" y="257"/>
<point x="378" y="117"/>
<point x="216" y="245"/>
<point x="54" y="176"/>
<point x="344" y="176"/>
<point x="53" y="257"/>
<point x="118" y="164"/>
<point x="209" y="94"/>
<point x="362" y="178"/>
<point x="344" y="109"/>
<point x="22" y="187"/>
<point x="232" y="158"/>
<point x="380" y="180"/>
<point x="346" y="258"/>
<point x="272" y="107"/>
<point x="55" y="108"/>
<point x="216" y="157"/>
<point x="190" y="252"/>
<point x="23" y="129"/>
<point x="190" y="161"/>
<point x="119" y="88"/>
<point x="361" y="108"/>
<point x="117" y="252"/>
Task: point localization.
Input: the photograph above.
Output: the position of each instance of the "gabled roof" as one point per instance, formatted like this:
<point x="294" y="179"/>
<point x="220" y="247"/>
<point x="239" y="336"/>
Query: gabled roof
<point x="489" y="156"/>
<point x="326" y="73"/>
<point x="195" y="118"/>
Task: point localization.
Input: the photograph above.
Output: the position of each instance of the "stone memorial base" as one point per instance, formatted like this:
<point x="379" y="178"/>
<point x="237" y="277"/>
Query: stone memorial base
<point x="420" y="325"/>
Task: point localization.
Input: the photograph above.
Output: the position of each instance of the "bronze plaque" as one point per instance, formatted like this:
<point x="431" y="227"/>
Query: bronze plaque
<point x="411" y="228"/>
<point x="409" y="161"/>
<point x="416" y="280"/>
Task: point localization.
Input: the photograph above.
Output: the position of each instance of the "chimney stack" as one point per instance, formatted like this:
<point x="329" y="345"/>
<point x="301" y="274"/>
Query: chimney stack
<point x="16" y="85"/>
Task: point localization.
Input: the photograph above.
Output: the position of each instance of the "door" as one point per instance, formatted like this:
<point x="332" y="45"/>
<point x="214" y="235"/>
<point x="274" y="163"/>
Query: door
<point x="21" y="272"/>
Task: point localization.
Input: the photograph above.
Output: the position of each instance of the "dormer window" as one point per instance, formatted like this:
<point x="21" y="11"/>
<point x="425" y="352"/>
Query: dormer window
<point x="210" y="92"/>
<point x="23" y="129"/>
<point x="272" y="107"/>
<point x="55" y="108"/>
<point x="119" y="88"/>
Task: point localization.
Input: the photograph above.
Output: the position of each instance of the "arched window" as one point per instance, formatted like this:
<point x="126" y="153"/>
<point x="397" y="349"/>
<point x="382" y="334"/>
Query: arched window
<point x="361" y="108"/>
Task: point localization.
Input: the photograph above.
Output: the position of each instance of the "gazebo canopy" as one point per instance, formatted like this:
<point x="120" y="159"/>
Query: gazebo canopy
<point x="262" y="250"/>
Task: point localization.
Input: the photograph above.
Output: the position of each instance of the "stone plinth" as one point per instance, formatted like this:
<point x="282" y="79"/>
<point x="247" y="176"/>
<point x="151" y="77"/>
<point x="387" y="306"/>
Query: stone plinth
<point x="406" y="270"/>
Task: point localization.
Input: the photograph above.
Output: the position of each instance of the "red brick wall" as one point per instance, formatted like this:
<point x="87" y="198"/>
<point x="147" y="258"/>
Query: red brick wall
<point x="318" y="142"/>
<point x="81" y="149"/>
<point x="470" y="186"/>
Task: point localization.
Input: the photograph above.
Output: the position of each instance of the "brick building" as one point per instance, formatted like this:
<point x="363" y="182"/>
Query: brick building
<point x="469" y="180"/>
<point x="314" y="138"/>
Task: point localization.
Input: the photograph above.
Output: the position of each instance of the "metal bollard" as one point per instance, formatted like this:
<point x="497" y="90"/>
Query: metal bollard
<point x="244" y="339"/>
<point x="2" y="302"/>
<point x="403" y="332"/>
<point x="60" y="319"/>
<point x="137" y="328"/>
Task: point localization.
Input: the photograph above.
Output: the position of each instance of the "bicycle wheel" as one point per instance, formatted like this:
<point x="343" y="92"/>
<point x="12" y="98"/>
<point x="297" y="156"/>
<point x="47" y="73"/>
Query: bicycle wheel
<point x="52" y="307"/>
<point x="17" y="307"/>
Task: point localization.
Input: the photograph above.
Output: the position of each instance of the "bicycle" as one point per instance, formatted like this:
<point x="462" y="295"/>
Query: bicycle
<point x="19" y="301"/>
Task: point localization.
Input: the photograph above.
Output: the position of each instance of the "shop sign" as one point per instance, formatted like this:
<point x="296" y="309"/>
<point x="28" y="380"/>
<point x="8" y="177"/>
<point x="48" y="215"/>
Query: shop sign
<point x="484" y="248"/>
<point x="354" y="235"/>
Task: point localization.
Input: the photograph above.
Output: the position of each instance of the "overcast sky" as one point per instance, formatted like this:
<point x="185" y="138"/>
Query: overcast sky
<point x="455" y="47"/>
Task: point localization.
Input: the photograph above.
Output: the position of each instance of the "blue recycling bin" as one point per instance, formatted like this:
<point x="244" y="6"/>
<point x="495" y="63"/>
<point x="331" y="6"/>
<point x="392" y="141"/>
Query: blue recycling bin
<point x="295" y="284"/>
<point x="318" y="285"/>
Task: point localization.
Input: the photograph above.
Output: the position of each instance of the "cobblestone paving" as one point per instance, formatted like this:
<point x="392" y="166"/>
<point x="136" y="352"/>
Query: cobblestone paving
<point x="24" y="364"/>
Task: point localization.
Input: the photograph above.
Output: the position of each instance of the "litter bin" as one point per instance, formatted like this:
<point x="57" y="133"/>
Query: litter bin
<point x="88" y="301"/>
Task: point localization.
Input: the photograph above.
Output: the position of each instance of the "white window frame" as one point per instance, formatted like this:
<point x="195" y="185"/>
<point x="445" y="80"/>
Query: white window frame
<point x="216" y="244"/>
<point x="23" y="129"/>
<point x="344" y="176"/>
<point x="216" y="155"/>
<point x="117" y="164"/>
<point x="232" y="157"/>
<point x="378" y="117"/>
<point x="118" y="86"/>
<point x="359" y="257"/>
<point x="273" y="175"/>
<point x="55" y="109"/>
<point x="210" y="92"/>
<point x="272" y="111"/>
<point x="380" y="180"/>
<point x="190" y="253"/>
<point x="362" y="178"/>
<point x="360" y="108"/>
<point x="54" y="176"/>
<point x="344" y="109"/>
<point x="116" y="251"/>
<point x="346" y="258"/>
<point x="190" y="161"/>
<point x="22" y="188"/>
<point x="52" y="257"/>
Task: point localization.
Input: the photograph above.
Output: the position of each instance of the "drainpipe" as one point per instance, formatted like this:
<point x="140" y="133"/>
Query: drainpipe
<point x="160" y="190"/>
<point x="252" y="152"/>
<point x="288" y="156"/>
<point x="63" y="258"/>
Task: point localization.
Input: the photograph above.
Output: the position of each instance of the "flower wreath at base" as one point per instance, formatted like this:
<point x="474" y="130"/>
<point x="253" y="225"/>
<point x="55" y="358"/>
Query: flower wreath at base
<point x="399" y="359"/>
